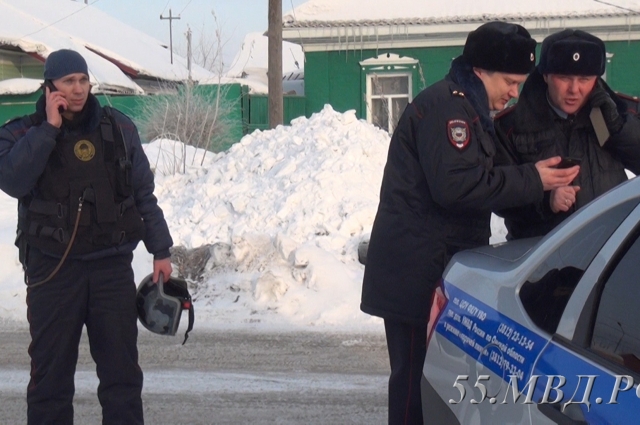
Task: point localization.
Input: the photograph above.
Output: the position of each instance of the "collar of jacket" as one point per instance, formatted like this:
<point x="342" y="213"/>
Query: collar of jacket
<point x="86" y="121"/>
<point x="461" y="73"/>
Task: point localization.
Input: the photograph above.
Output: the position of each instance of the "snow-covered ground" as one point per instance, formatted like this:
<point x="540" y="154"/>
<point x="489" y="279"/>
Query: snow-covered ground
<point x="283" y="210"/>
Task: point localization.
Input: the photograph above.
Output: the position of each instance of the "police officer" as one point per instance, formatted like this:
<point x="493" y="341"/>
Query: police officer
<point x="438" y="189"/>
<point x="85" y="200"/>
<point x="567" y="109"/>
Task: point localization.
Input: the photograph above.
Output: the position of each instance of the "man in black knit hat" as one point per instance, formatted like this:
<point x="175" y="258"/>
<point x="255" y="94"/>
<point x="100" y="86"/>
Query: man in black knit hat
<point x="438" y="190"/>
<point x="567" y="109"/>
<point x="85" y="200"/>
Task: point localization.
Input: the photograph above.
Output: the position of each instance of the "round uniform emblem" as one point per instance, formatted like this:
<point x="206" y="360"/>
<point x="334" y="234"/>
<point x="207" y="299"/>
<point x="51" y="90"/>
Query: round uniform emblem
<point x="84" y="150"/>
<point x="576" y="56"/>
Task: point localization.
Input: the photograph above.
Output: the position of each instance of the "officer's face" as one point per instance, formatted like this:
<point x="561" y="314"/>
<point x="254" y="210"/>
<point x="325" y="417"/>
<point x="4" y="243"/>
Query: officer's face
<point x="569" y="92"/>
<point x="501" y="87"/>
<point x="75" y="88"/>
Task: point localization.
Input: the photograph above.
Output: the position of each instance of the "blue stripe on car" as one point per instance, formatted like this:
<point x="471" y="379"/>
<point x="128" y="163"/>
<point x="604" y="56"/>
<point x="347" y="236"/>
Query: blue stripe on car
<point x="508" y="348"/>
<point x="557" y="360"/>
<point x="501" y="344"/>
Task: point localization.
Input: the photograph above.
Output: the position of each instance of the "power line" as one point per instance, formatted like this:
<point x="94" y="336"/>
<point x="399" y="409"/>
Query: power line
<point x="165" y="7"/>
<point x="616" y="6"/>
<point x="184" y="7"/>
<point x="59" y="20"/>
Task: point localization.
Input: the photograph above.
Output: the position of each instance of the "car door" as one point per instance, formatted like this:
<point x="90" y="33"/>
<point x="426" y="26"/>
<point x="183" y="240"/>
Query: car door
<point x="593" y="361"/>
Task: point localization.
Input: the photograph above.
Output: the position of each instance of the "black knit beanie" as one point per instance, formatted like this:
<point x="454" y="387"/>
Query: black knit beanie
<point x="64" y="62"/>
<point x="502" y="47"/>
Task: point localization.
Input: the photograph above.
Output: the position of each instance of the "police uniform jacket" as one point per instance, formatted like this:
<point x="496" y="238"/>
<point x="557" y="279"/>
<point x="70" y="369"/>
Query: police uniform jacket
<point x="438" y="190"/>
<point x="26" y="150"/>
<point x="532" y="131"/>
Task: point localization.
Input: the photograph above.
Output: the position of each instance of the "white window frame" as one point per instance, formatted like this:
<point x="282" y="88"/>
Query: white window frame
<point x="392" y="120"/>
<point x="385" y="66"/>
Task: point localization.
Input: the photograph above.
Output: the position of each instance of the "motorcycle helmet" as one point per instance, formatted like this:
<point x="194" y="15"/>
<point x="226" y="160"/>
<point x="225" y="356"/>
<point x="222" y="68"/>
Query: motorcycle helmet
<point x="160" y="305"/>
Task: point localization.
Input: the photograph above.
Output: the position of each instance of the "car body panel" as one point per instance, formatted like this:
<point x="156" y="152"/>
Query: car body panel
<point x="558" y="360"/>
<point x="484" y="307"/>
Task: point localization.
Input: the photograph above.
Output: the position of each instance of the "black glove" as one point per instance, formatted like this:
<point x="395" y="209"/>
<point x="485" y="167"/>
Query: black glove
<point x="600" y="98"/>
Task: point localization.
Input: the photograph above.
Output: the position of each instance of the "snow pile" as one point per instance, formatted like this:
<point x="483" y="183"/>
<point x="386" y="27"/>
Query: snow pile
<point x="280" y="216"/>
<point x="284" y="210"/>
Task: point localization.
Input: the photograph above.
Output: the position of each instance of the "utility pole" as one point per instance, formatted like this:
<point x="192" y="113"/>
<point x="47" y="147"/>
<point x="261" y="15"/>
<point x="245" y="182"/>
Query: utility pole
<point x="189" y="52"/>
<point x="170" y="18"/>
<point x="275" y="63"/>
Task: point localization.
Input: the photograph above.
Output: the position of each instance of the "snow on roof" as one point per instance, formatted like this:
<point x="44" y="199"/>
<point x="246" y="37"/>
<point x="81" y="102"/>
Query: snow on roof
<point x="19" y="85"/>
<point x="254" y="54"/>
<point x="39" y="27"/>
<point x="250" y="65"/>
<point x="318" y="13"/>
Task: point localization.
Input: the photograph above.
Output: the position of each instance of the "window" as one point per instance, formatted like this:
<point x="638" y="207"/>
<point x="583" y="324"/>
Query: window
<point x="387" y="83"/>
<point x="389" y="95"/>
<point x="616" y="334"/>
<point x="548" y="289"/>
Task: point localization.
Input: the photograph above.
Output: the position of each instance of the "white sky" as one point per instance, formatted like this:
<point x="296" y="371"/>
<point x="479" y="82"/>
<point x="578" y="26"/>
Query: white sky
<point x="235" y="18"/>
<point x="291" y="203"/>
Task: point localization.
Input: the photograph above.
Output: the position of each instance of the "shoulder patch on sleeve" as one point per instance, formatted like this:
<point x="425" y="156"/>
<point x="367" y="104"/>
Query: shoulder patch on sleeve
<point x="459" y="134"/>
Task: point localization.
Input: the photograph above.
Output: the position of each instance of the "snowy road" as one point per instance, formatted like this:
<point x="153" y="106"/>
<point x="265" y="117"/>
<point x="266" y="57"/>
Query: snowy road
<point x="230" y="378"/>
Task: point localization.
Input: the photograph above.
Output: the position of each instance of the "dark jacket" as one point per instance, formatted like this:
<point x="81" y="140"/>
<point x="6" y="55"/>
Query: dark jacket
<point x="532" y="131"/>
<point x="438" y="190"/>
<point x="25" y="151"/>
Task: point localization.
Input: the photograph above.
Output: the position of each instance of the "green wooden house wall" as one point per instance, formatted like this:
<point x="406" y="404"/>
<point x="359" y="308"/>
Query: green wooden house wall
<point x="335" y="77"/>
<point x="624" y="67"/>
<point x="12" y="106"/>
<point x="255" y="110"/>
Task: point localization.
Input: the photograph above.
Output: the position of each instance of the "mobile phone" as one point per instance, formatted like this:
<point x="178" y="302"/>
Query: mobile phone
<point x="52" y="88"/>
<point x="568" y="162"/>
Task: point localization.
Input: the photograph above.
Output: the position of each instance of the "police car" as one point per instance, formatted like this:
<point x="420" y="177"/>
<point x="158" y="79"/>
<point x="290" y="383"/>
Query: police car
<point x="543" y="330"/>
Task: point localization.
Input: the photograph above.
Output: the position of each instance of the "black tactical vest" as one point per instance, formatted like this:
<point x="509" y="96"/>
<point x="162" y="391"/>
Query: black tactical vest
<point x="93" y="167"/>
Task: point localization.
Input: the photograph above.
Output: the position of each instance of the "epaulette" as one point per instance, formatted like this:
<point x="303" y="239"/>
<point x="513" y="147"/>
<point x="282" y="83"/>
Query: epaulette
<point x="10" y="120"/>
<point x="628" y="97"/>
<point x="458" y="93"/>
<point x="29" y="120"/>
<point x="632" y="102"/>
<point x="504" y="112"/>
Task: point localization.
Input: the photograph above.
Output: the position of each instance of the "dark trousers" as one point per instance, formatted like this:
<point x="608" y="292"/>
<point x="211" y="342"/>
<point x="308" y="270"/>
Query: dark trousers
<point x="407" y="346"/>
<point x="101" y="295"/>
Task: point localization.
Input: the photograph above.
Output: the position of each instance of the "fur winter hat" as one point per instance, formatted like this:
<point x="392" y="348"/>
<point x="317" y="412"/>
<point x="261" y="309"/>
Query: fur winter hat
<point x="572" y="52"/>
<point x="64" y="62"/>
<point x="502" y="47"/>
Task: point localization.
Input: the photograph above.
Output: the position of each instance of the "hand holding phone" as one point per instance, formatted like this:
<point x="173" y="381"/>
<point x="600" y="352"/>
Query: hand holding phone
<point x="54" y="115"/>
<point x="553" y="176"/>
<point x="568" y="162"/>
<point x="52" y="88"/>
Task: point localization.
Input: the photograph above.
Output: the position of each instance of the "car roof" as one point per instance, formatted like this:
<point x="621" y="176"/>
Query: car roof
<point x="508" y="253"/>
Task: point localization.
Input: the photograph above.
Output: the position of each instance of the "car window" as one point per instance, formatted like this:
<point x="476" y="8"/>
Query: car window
<point x="616" y="334"/>
<point x="546" y="292"/>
